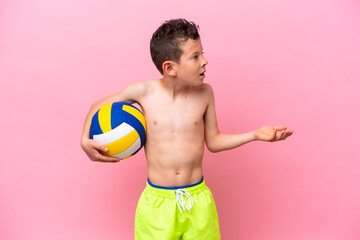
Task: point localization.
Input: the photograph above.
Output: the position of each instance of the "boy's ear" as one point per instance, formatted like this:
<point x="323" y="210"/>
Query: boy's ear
<point x="168" y="68"/>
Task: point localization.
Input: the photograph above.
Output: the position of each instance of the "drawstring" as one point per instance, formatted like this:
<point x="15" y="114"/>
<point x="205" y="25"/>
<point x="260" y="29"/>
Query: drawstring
<point x="180" y="201"/>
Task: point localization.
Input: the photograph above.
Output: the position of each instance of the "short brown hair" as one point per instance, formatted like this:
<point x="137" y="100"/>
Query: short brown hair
<point x="165" y="42"/>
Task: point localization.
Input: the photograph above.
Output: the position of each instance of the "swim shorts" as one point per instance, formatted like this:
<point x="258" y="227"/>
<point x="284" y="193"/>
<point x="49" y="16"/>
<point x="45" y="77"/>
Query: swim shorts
<point x="170" y="213"/>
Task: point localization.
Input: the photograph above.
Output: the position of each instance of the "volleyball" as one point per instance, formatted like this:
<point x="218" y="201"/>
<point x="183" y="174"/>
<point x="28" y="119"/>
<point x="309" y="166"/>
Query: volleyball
<point x="120" y="127"/>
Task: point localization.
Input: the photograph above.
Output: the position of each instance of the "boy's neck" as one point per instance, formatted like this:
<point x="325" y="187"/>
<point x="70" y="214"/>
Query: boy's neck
<point x="174" y="87"/>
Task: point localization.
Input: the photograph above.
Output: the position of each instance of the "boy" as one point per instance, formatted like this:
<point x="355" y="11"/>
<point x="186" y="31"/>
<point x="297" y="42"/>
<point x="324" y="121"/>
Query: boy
<point x="180" y="117"/>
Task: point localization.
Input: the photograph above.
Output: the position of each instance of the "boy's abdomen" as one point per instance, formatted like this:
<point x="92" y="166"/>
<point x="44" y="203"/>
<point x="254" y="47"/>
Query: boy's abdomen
<point x="175" y="161"/>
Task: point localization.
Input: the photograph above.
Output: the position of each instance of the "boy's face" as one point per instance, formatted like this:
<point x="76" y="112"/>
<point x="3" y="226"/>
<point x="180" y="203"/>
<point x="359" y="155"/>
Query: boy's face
<point x="191" y="68"/>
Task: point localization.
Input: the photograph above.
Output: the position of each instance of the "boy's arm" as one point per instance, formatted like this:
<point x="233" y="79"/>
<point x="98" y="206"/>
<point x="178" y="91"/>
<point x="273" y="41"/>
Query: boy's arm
<point x="217" y="141"/>
<point x="130" y="94"/>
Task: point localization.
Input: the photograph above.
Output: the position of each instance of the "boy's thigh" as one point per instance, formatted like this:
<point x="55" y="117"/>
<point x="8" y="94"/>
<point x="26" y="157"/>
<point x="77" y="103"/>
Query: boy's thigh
<point x="203" y="221"/>
<point x="155" y="218"/>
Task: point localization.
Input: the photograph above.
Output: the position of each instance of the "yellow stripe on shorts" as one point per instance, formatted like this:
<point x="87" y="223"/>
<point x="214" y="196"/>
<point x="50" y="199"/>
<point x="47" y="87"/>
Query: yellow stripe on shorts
<point x="136" y="113"/>
<point x="122" y="144"/>
<point x="105" y="117"/>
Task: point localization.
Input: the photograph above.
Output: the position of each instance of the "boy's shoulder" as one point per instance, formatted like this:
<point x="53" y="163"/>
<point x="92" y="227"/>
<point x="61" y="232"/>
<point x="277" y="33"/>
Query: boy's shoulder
<point x="146" y="84"/>
<point x="206" y="89"/>
<point x="142" y="86"/>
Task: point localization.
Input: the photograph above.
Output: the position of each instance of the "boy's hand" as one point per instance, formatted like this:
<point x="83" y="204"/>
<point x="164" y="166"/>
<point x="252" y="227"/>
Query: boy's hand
<point x="272" y="134"/>
<point x="93" y="150"/>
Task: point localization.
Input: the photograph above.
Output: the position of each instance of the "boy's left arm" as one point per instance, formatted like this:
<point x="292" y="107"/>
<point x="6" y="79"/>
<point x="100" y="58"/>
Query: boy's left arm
<point x="217" y="141"/>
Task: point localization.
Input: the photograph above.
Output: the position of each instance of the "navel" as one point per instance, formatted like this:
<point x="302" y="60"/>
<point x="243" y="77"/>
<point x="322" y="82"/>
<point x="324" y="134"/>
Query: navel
<point x="177" y="172"/>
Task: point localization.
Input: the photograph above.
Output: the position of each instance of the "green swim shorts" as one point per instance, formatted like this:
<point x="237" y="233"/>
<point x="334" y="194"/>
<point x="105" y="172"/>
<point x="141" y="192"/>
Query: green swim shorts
<point x="186" y="212"/>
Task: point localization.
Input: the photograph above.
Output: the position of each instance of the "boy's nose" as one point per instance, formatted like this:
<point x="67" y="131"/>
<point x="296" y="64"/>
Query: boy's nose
<point x="205" y="62"/>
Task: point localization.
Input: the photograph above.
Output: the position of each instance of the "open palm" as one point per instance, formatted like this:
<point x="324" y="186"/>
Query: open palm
<point x="272" y="134"/>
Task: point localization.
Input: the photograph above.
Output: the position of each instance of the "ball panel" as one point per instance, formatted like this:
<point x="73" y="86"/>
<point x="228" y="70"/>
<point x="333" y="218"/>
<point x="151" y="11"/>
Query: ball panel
<point x="113" y="135"/>
<point x="122" y="144"/>
<point x="136" y="124"/>
<point x="105" y="117"/>
<point x="95" y="126"/>
<point x="116" y="114"/>
<point x="136" y="113"/>
<point x="130" y="151"/>
<point x="136" y="151"/>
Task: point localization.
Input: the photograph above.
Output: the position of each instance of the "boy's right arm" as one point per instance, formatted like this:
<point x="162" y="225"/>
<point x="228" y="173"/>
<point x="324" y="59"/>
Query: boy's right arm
<point x="130" y="94"/>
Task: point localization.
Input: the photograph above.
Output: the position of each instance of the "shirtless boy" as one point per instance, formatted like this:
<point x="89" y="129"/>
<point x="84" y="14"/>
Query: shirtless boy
<point x="180" y="116"/>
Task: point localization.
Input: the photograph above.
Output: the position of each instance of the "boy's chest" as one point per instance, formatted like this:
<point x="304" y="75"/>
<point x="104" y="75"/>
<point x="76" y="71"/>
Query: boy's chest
<point x="186" y="112"/>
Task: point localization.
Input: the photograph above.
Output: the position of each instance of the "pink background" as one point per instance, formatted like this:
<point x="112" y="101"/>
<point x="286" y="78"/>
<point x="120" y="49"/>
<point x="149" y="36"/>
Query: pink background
<point x="270" y="62"/>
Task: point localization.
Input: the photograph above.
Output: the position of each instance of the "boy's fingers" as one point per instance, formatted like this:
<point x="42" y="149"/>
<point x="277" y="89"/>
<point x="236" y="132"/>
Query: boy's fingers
<point x="103" y="158"/>
<point x="100" y="147"/>
<point x="99" y="157"/>
<point x="287" y="134"/>
<point x="279" y="128"/>
<point x="103" y="149"/>
<point x="281" y="135"/>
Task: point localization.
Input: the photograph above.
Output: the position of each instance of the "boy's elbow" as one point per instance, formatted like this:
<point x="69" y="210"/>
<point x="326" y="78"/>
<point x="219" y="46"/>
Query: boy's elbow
<point x="212" y="143"/>
<point x="212" y="148"/>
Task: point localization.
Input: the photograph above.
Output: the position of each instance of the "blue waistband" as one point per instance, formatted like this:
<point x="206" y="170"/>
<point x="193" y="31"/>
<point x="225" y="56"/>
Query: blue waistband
<point x="174" y="188"/>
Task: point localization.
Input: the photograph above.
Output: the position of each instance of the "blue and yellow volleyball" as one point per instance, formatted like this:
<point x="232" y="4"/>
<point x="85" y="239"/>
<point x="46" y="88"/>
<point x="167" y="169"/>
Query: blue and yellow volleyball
<point x="120" y="127"/>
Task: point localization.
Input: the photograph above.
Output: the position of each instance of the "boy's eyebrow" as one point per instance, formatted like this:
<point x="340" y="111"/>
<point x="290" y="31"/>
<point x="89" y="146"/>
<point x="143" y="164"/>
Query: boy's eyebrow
<point x="197" y="52"/>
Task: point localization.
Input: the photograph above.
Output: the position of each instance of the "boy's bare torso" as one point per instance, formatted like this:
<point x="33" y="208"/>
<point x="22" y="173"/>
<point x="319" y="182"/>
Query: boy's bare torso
<point x="180" y="114"/>
<point x="175" y="133"/>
